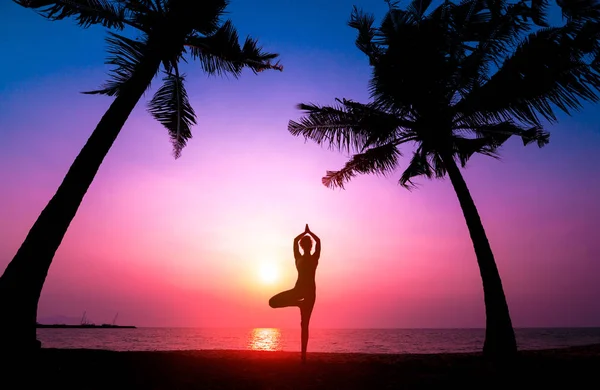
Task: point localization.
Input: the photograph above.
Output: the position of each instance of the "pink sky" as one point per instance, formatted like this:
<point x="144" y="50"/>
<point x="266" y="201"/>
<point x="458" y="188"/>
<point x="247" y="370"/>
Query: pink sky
<point x="169" y="242"/>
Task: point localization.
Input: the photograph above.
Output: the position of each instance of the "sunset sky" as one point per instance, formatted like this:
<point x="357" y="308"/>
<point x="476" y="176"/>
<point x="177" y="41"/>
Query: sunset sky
<point x="168" y="242"/>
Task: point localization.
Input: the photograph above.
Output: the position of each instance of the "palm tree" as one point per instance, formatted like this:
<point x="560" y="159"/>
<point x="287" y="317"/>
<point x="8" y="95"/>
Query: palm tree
<point x="456" y="81"/>
<point x="167" y="31"/>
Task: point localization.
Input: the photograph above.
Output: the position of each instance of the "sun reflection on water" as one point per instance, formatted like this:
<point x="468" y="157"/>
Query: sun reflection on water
<point x="265" y="339"/>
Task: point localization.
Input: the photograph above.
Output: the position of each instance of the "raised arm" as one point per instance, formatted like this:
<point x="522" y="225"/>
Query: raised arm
<point x="296" y="246"/>
<point x="317" y="243"/>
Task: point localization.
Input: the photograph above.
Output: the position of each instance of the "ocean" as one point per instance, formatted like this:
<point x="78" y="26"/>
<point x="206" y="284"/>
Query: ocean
<point x="391" y="341"/>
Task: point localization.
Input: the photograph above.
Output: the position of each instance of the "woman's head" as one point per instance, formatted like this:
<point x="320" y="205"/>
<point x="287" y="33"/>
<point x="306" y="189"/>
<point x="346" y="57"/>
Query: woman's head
<point x="306" y="243"/>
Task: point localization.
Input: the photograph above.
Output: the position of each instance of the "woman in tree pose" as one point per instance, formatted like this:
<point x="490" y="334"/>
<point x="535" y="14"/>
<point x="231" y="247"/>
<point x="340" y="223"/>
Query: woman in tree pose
<point x="304" y="292"/>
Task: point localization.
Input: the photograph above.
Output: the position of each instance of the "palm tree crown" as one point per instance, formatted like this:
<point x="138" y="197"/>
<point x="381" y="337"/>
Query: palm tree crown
<point x="459" y="80"/>
<point x="170" y="30"/>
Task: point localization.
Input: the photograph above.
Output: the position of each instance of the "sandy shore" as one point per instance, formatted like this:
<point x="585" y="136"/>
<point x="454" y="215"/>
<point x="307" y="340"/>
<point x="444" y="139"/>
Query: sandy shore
<point x="569" y="368"/>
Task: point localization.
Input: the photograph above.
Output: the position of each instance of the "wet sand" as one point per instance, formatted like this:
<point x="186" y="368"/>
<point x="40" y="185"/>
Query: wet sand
<point x="571" y="368"/>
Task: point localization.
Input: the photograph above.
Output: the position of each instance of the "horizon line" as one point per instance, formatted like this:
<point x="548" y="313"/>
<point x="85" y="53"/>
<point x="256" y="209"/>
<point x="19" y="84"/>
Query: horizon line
<point x="365" y="328"/>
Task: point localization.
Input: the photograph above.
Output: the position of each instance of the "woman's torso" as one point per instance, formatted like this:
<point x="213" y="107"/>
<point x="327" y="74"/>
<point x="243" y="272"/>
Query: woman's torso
<point x="307" y="268"/>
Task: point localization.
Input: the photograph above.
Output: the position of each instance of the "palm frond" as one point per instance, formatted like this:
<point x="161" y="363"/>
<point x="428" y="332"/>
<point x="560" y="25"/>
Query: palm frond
<point x="492" y="136"/>
<point x="495" y="35"/>
<point x="469" y="18"/>
<point x="410" y="73"/>
<point x="86" y="12"/>
<point x="418" y="8"/>
<point x="585" y="38"/>
<point x="363" y="23"/>
<point x="144" y="14"/>
<point x="213" y="51"/>
<point x="254" y="58"/>
<point x="144" y="6"/>
<point x="171" y="107"/>
<point x="499" y="133"/>
<point x="418" y="166"/>
<point x="546" y="69"/>
<point x="380" y="126"/>
<point x="379" y="160"/>
<point x="221" y="53"/>
<point x="126" y="55"/>
<point x="539" y="12"/>
<point x="206" y="15"/>
<point x="333" y="126"/>
<point x="413" y="14"/>
<point x="465" y="148"/>
<point x="348" y="126"/>
<point x="535" y="134"/>
<point x="580" y="11"/>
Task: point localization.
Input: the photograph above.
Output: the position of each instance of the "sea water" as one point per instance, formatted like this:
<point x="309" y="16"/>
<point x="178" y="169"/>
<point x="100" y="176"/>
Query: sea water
<point x="321" y="340"/>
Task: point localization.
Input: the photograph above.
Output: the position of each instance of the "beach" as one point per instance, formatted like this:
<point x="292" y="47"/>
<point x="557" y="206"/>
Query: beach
<point x="228" y="369"/>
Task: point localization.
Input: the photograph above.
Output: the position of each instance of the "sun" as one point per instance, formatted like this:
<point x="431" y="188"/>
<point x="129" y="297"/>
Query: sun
<point x="268" y="273"/>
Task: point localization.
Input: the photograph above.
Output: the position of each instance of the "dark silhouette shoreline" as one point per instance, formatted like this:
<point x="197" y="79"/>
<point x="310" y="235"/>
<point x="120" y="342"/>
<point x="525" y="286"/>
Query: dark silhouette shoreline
<point x="569" y="368"/>
<point x="85" y="326"/>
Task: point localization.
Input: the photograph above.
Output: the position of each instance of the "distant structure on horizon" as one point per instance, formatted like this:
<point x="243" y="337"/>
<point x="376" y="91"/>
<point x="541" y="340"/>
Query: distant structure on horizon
<point x="84" y="323"/>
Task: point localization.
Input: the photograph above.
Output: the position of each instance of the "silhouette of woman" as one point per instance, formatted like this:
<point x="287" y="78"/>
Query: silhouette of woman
<point x="303" y="294"/>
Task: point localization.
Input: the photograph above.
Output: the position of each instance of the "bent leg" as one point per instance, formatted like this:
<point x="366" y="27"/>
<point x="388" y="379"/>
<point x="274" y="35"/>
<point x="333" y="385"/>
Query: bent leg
<point x="285" y="299"/>
<point x="306" y="308"/>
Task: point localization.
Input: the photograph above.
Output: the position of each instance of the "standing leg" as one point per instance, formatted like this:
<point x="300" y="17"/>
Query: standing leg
<point x="306" y="308"/>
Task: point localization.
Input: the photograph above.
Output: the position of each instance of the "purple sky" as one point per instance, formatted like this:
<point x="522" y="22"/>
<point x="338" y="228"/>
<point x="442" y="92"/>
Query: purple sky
<point x="190" y="242"/>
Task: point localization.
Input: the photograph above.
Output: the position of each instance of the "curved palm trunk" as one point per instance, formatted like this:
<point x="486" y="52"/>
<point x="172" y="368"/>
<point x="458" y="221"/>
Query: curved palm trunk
<point x="500" y="339"/>
<point x="22" y="281"/>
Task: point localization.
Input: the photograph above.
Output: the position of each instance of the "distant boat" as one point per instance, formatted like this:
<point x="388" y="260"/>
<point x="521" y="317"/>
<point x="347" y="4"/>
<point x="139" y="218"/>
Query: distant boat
<point x="86" y="325"/>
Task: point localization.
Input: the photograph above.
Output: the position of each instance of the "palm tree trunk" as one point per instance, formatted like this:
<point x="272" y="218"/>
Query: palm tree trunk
<point x="22" y="281"/>
<point x="500" y="339"/>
